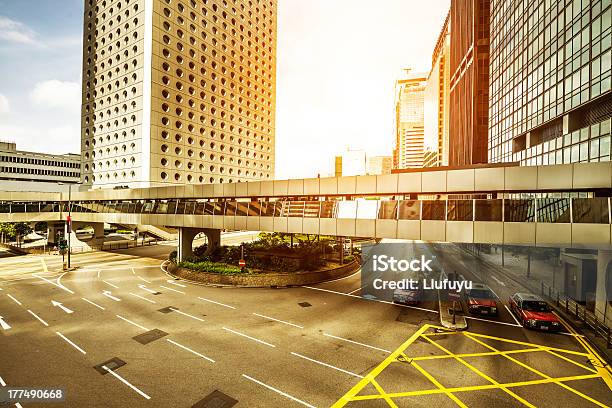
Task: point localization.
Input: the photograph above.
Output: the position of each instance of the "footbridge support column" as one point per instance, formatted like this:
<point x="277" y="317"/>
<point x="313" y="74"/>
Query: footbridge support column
<point x="185" y="241"/>
<point x="54" y="232"/>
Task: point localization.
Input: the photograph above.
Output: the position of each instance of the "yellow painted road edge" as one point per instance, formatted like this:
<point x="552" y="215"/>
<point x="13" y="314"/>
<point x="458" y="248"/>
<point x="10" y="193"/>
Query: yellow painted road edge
<point x="346" y="398"/>
<point x="603" y="369"/>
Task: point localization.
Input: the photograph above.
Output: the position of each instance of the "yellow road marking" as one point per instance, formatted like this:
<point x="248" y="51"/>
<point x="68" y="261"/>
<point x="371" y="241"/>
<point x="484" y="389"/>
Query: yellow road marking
<point x="567" y="387"/>
<point x="476" y="387"/>
<point x="602" y="368"/>
<point x="346" y="398"/>
<point x="383" y="393"/>
<point x="437" y="384"/>
<point x="483" y="354"/>
<point x="523" y="343"/>
<point x="480" y="373"/>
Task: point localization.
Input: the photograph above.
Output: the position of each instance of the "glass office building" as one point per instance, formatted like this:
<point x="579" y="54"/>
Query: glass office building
<point x="550" y="99"/>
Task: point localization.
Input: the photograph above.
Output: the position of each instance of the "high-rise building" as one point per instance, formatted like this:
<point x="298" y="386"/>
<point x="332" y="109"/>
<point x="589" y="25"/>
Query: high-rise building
<point x="409" y="128"/>
<point x="379" y="165"/>
<point x="469" y="82"/>
<point x="550" y="81"/>
<point x="178" y="91"/>
<point x="436" y="109"/>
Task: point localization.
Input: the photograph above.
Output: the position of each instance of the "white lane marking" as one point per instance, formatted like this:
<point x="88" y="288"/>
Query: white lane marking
<point x="354" y="291"/>
<point x="174" y="283"/>
<point x="2" y="383"/>
<point x="186" y="314"/>
<point x="173" y="290"/>
<point x="143" y="287"/>
<point x="133" y="271"/>
<point x="278" y="320"/>
<point x="14" y="300"/>
<point x="108" y="294"/>
<point x="512" y="314"/>
<point x="1" y="289"/>
<point x="216" y="303"/>
<point x="18" y="405"/>
<point x="326" y="365"/>
<point x="143" y="279"/>
<point x="55" y="284"/>
<point x="70" y="342"/>
<point x="110" y="284"/>
<point x="278" y="391"/>
<point x="59" y="279"/>
<point x="37" y="317"/>
<point x="373" y="300"/>
<point x="132" y="323"/>
<point x="191" y="351"/>
<point x="3" y="324"/>
<point x="123" y="380"/>
<point x="492" y="321"/>
<point x="92" y="303"/>
<point x="356" y="342"/>
<point x="249" y="337"/>
<point x="99" y="270"/>
<point x="497" y="280"/>
<point x="143" y="298"/>
<point x="64" y="308"/>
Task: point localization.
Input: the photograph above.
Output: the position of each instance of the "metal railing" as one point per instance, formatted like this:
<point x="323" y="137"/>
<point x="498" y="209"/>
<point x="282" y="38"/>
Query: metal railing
<point x="580" y="312"/>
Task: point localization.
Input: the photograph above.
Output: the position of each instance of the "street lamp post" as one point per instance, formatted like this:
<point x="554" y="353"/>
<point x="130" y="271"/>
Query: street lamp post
<point x="69" y="220"/>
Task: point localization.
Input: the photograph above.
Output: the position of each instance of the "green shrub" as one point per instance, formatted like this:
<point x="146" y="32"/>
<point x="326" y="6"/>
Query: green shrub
<point x="212" y="267"/>
<point x="172" y="256"/>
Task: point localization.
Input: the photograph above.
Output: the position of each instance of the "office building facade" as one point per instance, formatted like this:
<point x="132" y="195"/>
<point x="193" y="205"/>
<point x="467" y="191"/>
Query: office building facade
<point x="409" y="121"/>
<point x="469" y="82"/>
<point x="178" y="92"/>
<point x="19" y="166"/>
<point x="436" y="109"/>
<point x="550" y="81"/>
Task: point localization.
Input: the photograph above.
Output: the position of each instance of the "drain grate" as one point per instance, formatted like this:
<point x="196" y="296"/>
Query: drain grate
<point x="304" y="304"/>
<point x="112" y="364"/>
<point x="167" y="310"/>
<point x="216" y="399"/>
<point x="150" y="336"/>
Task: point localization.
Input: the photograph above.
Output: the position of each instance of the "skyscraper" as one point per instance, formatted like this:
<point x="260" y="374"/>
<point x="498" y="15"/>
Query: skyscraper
<point x="550" y="81"/>
<point x="469" y="82"/>
<point x="436" y="110"/>
<point x="409" y="129"/>
<point x="178" y="91"/>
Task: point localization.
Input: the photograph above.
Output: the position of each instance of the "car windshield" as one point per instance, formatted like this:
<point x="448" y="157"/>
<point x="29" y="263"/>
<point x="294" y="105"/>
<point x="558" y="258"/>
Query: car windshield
<point x="535" y="306"/>
<point x="481" y="294"/>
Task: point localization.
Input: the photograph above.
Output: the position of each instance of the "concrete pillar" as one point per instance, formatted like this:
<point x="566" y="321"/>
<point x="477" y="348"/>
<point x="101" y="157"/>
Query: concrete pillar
<point x="52" y="232"/>
<point x="185" y="241"/>
<point x="98" y="228"/>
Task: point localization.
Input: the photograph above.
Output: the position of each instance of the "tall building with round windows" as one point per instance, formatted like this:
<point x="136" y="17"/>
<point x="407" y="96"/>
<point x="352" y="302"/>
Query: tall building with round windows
<point x="178" y="92"/>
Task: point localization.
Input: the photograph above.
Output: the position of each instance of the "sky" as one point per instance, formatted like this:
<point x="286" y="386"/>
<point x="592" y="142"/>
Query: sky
<point x="337" y="61"/>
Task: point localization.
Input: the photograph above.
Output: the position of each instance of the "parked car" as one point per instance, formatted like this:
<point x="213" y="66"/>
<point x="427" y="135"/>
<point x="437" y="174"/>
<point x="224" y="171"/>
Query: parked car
<point x="533" y="312"/>
<point x="480" y="299"/>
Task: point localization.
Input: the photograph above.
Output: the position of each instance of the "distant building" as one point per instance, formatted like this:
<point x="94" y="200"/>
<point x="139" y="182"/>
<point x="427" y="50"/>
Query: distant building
<point x="31" y="171"/>
<point x="379" y="165"/>
<point x="409" y="129"/>
<point x="358" y="163"/>
<point x="469" y="81"/>
<point x="437" y="98"/>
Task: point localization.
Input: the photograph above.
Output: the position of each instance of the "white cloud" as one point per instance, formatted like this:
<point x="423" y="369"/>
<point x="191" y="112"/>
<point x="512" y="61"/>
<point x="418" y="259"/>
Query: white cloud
<point x="57" y="94"/>
<point x="16" y="32"/>
<point x="4" y="105"/>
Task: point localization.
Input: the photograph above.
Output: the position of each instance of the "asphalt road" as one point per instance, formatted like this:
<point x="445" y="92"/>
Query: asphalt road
<point x="312" y="346"/>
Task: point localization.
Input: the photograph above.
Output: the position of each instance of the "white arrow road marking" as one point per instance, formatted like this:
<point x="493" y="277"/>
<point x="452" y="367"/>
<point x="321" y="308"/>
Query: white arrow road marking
<point x="174" y="283"/>
<point x="107" y="293"/>
<point x="110" y="284"/>
<point x="64" y="308"/>
<point x="3" y="324"/>
<point x="497" y="280"/>
<point x="143" y="287"/>
<point x="186" y="314"/>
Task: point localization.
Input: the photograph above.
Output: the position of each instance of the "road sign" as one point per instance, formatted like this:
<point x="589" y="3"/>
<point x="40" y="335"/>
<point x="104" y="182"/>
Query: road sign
<point x="242" y="263"/>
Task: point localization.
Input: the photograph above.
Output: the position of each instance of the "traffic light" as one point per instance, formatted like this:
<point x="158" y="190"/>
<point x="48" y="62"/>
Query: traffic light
<point x="63" y="245"/>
